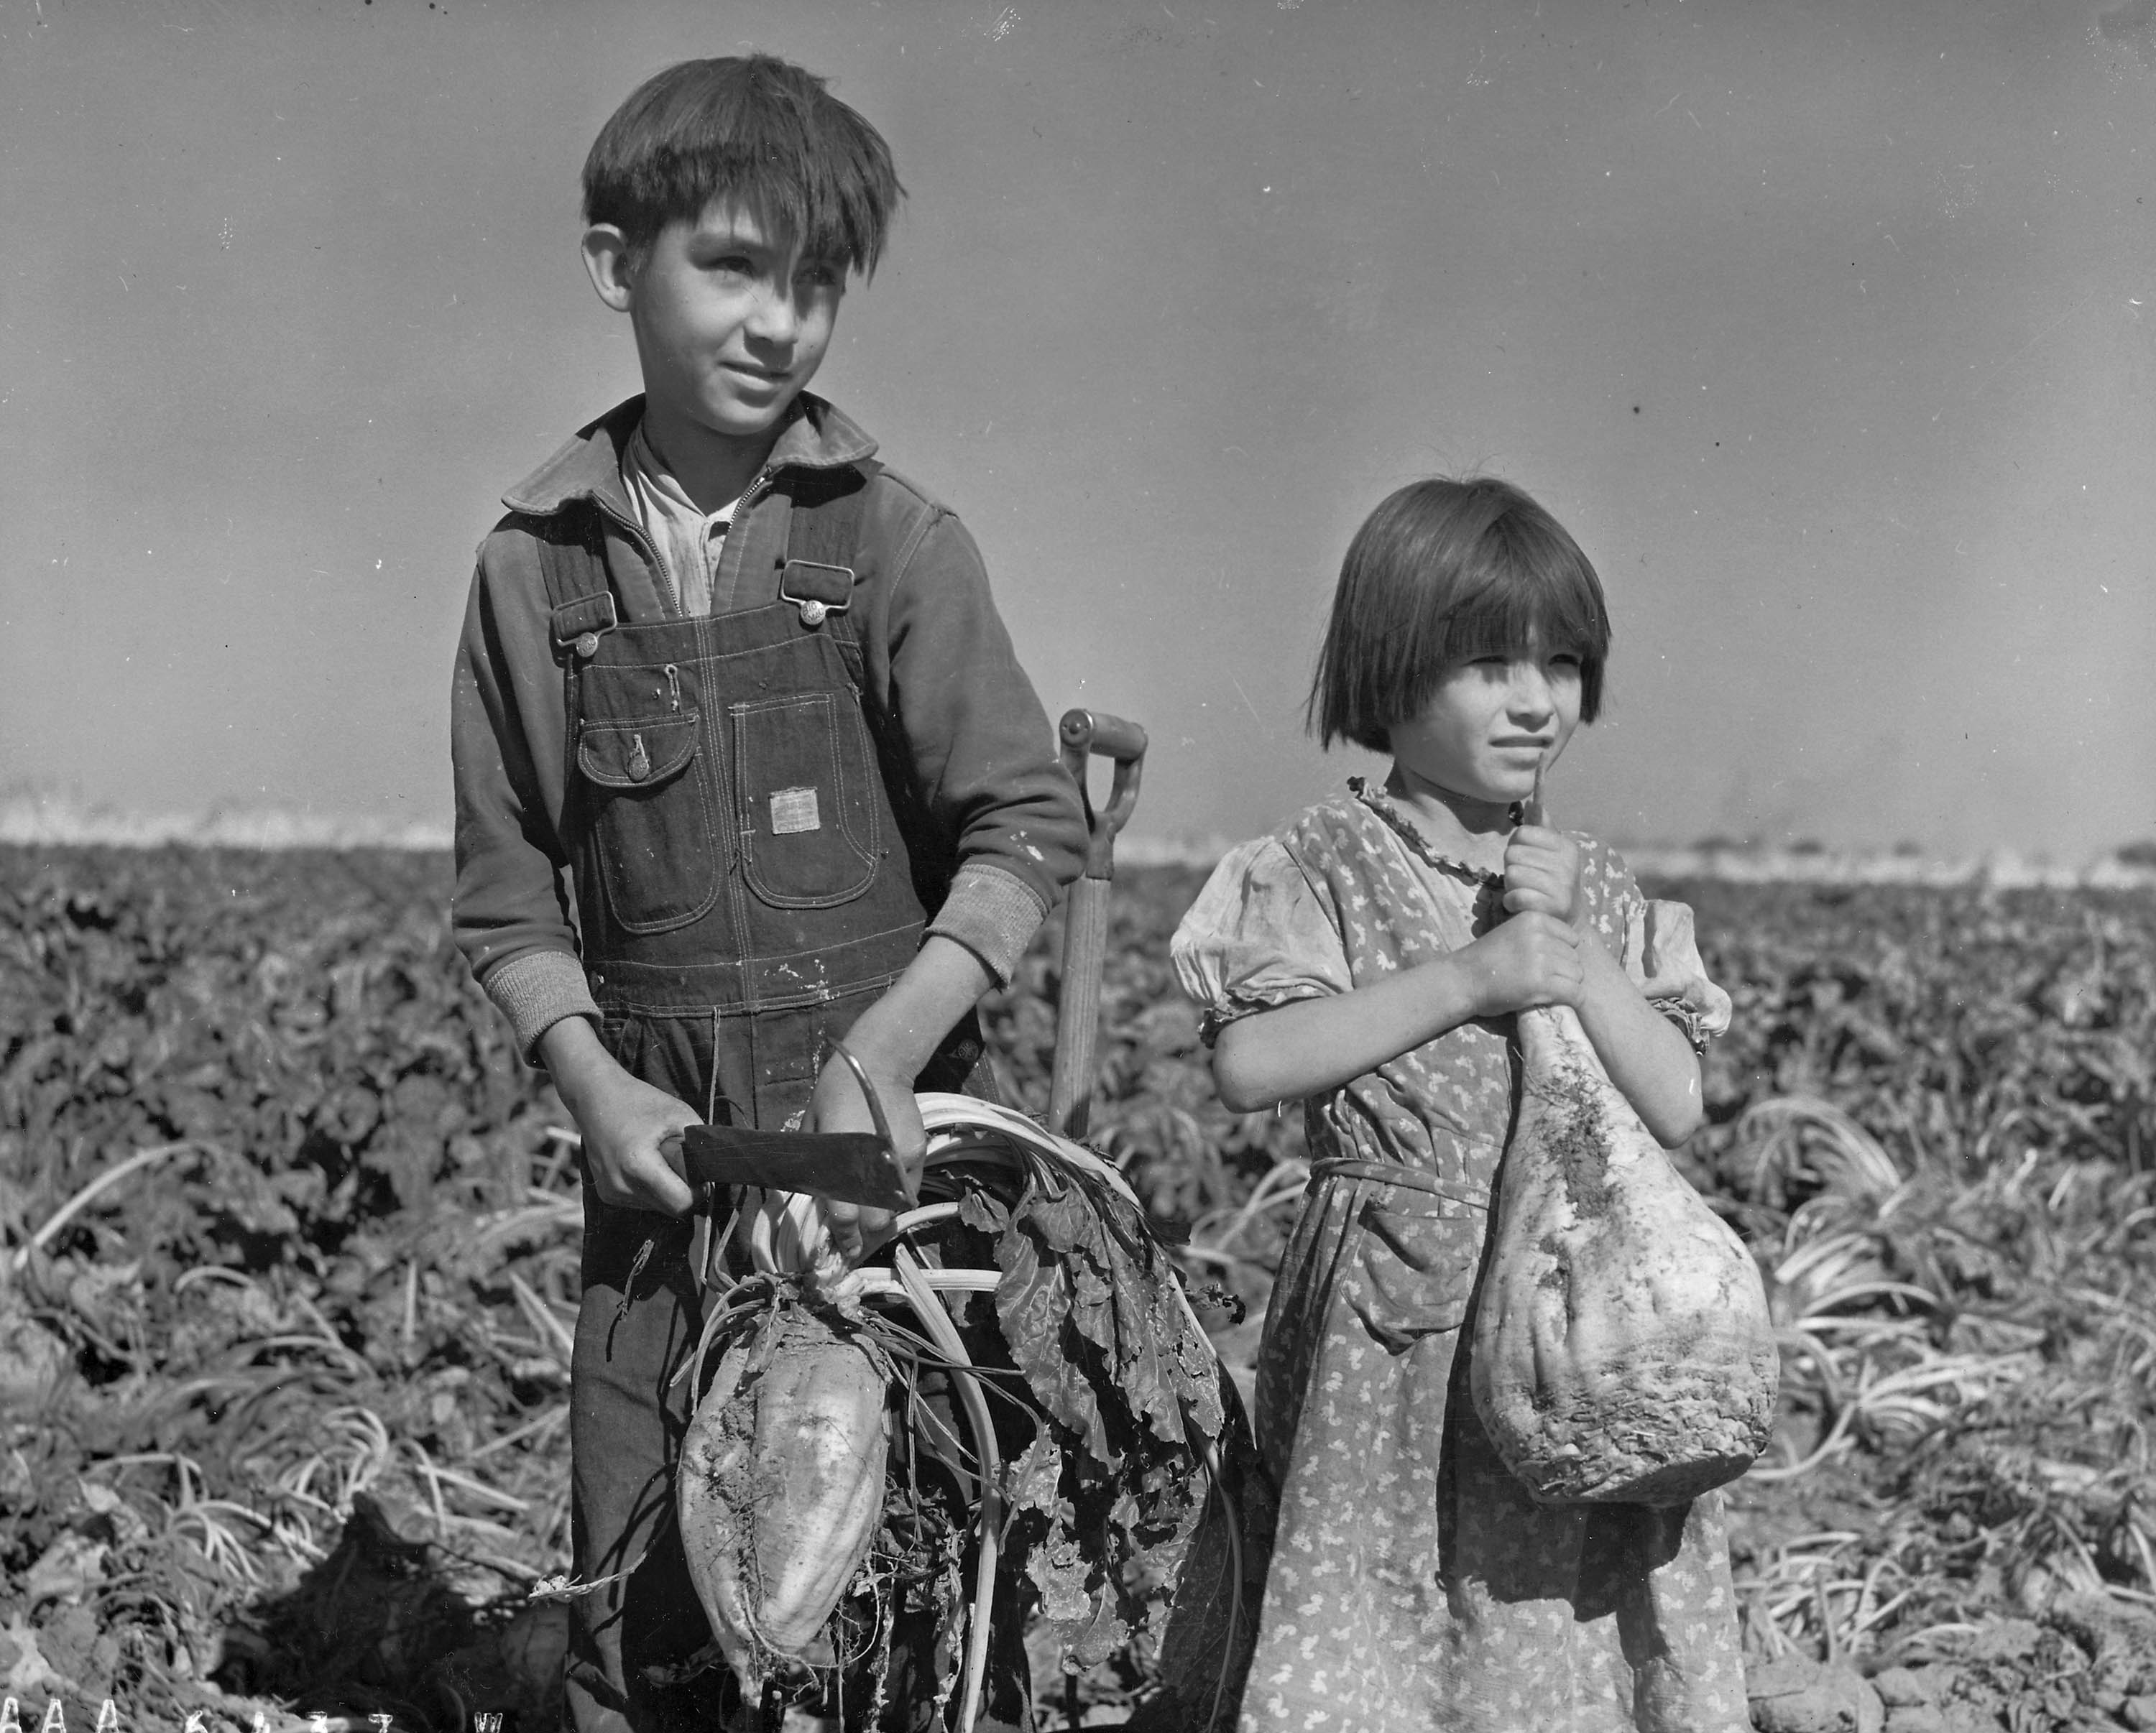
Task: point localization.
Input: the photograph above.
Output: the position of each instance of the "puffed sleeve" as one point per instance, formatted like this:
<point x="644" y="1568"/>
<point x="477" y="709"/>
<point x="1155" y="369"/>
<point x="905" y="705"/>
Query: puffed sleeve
<point x="1258" y="936"/>
<point x="1661" y="955"/>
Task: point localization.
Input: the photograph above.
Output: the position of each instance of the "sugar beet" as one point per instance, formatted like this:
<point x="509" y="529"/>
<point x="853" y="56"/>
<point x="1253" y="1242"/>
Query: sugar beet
<point x="1623" y="1352"/>
<point x="780" y="1487"/>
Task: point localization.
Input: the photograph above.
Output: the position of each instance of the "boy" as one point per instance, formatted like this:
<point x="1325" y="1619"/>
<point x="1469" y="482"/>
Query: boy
<point x="737" y="695"/>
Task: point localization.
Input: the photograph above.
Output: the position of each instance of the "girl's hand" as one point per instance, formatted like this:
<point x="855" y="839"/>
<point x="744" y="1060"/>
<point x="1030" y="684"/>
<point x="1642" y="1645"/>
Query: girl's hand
<point x="1533" y="959"/>
<point x="1542" y="875"/>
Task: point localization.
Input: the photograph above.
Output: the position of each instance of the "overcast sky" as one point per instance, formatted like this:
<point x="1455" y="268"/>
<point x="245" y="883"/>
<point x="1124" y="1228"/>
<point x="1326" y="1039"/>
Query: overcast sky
<point x="1826" y="328"/>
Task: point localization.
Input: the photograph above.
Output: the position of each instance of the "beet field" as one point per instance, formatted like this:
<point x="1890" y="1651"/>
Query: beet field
<point x="288" y="1260"/>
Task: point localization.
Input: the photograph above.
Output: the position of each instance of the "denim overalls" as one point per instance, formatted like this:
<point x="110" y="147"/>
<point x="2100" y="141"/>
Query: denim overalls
<point x="744" y="850"/>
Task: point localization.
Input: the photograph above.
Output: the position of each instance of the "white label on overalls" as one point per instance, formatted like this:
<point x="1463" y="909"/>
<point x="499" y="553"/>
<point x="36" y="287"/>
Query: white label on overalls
<point x="794" y="810"/>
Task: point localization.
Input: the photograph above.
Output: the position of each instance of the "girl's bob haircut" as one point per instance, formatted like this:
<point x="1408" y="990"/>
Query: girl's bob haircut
<point x="753" y="128"/>
<point x="1441" y="572"/>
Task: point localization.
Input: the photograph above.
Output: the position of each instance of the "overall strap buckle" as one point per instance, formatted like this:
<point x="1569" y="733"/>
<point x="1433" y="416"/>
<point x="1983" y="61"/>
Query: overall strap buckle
<point x="579" y="625"/>
<point x="817" y="573"/>
<point x="572" y="565"/>
<point x="818" y="590"/>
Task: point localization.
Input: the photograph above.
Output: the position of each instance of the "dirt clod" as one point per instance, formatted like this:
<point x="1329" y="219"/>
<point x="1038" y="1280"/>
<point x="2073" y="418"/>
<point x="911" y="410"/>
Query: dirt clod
<point x="1795" y="1695"/>
<point x="1899" y="1687"/>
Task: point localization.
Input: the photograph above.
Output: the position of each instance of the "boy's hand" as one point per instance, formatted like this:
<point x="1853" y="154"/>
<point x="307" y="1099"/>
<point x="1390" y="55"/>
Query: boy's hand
<point x="1533" y="959"/>
<point x="622" y="1118"/>
<point x="1541" y="874"/>
<point x="838" y="1105"/>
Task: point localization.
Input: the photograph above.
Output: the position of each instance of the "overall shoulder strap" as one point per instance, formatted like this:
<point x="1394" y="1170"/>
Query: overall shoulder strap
<point x="573" y="562"/>
<point x="826" y="516"/>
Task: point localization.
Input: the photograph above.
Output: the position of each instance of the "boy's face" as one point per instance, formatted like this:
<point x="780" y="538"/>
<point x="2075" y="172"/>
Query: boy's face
<point x="731" y="321"/>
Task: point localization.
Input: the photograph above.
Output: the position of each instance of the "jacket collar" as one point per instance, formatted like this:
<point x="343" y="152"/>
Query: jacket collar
<point x="588" y="466"/>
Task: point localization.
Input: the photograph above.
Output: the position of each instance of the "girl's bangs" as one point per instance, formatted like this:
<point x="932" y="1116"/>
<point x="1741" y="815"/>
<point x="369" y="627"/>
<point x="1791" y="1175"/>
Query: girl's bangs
<point x="1515" y="611"/>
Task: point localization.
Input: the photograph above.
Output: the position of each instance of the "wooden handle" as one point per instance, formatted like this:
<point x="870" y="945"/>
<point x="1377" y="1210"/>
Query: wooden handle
<point x="1084" y="734"/>
<point x="1103" y="735"/>
<point x="1532" y="809"/>
<point x="1078" y="1009"/>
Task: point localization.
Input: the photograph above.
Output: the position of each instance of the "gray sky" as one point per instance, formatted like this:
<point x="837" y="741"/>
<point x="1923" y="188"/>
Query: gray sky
<point x="1827" y="330"/>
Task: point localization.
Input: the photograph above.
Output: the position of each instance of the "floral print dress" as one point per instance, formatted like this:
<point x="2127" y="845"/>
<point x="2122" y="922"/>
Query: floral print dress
<point x="1408" y="1581"/>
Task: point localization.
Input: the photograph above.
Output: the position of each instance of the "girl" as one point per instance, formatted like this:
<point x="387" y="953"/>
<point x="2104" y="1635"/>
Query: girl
<point x="1367" y="959"/>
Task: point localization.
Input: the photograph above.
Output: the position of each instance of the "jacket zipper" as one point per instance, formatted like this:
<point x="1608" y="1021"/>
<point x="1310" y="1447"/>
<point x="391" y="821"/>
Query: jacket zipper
<point x="749" y="496"/>
<point x="757" y="487"/>
<point x="645" y="545"/>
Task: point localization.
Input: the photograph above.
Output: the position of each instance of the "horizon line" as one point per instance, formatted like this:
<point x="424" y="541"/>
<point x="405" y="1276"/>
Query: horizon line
<point x="41" y="820"/>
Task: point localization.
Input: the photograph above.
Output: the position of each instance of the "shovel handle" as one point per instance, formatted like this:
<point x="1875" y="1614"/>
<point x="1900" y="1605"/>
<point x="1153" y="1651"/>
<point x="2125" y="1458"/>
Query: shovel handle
<point x="1084" y="734"/>
<point x="1087" y="735"/>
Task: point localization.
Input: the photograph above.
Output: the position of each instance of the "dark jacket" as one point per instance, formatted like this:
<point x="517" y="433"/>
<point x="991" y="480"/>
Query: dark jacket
<point x="939" y="670"/>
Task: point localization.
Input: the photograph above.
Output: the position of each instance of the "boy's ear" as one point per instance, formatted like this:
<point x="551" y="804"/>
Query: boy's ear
<point x="606" y="260"/>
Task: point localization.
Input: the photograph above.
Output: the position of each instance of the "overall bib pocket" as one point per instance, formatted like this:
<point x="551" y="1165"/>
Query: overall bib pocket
<point x="658" y="851"/>
<point x="805" y="800"/>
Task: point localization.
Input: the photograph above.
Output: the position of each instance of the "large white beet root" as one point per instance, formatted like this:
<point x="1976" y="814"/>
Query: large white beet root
<point x="780" y="1487"/>
<point x="1623" y="1352"/>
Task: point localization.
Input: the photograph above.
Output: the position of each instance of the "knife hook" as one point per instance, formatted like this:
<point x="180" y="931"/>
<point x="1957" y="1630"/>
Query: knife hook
<point x="877" y="1119"/>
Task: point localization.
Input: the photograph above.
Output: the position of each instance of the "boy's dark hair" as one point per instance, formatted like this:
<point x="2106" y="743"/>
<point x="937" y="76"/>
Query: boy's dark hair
<point x="757" y="129"/>
<point x="1441" y="572"/>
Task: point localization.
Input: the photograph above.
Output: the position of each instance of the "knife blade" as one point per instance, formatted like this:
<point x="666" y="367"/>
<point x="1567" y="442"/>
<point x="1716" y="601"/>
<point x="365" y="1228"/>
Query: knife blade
<point x="847" y="1166"/>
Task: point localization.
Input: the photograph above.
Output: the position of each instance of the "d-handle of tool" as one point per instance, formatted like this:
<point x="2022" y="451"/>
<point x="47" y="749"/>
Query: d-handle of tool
<point x="1084" y="735"/>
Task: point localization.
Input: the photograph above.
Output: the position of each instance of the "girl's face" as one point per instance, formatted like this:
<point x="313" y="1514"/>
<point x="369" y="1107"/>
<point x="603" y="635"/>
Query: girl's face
<point x="1492" y="724"/>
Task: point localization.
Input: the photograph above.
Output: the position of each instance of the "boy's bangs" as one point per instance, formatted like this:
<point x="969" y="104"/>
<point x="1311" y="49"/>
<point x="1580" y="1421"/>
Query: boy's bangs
<point x="753" y="130"/>
<point x="833" y="209"/>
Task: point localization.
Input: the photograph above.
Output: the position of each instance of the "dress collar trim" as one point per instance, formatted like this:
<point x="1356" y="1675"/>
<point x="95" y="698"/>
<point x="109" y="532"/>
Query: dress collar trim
<point x="1388" y="809"/>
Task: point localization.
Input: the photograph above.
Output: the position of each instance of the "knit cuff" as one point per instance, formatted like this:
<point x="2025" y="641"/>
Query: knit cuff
<point x="993" y="914"/>
<point x="536" y="990"/>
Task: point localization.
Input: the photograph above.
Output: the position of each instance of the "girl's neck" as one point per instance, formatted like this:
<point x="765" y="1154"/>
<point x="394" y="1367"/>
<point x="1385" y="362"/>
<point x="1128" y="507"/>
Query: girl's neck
<point x="1474" y="831"/>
